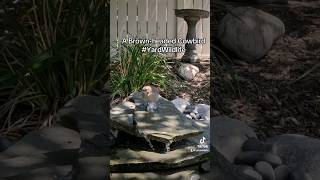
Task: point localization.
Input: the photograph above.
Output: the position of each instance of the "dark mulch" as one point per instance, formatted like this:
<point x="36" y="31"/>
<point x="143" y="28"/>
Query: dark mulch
<point x="281" y="92"/>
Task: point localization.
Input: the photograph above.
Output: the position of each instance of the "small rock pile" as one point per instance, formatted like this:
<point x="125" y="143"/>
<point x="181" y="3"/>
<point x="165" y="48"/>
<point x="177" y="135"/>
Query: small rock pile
<point x="77" y="147"/>
<point x="261" y="161"/>
<point x="196" y="112"/>
<point x="282" y="157"/>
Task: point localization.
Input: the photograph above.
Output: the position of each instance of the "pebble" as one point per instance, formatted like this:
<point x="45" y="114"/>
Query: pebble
<point x="193" y="115"/>
<point x="205" y="167"/>
<point x="265" y="169"/>
<point x="188" y="116"/>
<point x="252" y="157"/>
<point x="252" y="173"/>
<point x="282" y="172"/>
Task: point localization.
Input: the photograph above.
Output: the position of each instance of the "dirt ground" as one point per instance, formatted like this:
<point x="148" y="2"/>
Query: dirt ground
<point x="196" y="91"/>
<point x="281" y="92"/>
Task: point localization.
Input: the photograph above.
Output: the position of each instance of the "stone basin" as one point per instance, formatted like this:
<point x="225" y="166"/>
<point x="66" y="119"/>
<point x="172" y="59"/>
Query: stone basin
<point x="198" y="13"/>
<point x="167" y="125"/>
<point x="191" y="16"/>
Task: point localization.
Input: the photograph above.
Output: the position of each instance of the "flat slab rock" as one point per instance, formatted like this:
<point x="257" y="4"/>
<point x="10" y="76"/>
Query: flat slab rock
<point x="24" y="164"/>
<point x="46" y="173"/>
<point x="44" y="141"/>
<point x="93" y="168"/>
<point x="184" y="174"/>
<point x="166" y="125"/>
<point x="127" y="160"/>
<point x="228" y="135"/>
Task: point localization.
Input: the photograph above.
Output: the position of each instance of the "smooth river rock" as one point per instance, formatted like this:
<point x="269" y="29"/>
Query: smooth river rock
<point x="252" y="173"/>
<point x="299" y="152"/>
<point x="282" y="172"/>
<point x="265" y="169"/>
<point x="252" y="157"/>
<point x="222" y="169"/>
<point x="188" y="71"/>
<point x="249" y="32"/>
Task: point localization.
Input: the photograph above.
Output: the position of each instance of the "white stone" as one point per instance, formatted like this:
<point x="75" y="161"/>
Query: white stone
<point x="180" y="104"/>
<point x="203" y="111"/>
<point x="188" y="71"/>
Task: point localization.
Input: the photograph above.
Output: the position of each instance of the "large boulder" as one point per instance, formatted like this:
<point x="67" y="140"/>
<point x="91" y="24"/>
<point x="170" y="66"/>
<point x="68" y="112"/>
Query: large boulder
<point x="249" y="32"/>
<point x="299" y="152"/>
<point x="228" y="136"/>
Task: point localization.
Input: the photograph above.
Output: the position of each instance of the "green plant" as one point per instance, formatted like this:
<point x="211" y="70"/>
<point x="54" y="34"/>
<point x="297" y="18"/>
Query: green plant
<point x="53" y="51"/>
<point x="131" y="69"/>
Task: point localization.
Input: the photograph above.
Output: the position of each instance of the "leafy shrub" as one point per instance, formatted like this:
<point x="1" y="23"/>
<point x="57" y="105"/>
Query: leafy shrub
<point x="131" y="69"/>
<point x="52" y="51"/>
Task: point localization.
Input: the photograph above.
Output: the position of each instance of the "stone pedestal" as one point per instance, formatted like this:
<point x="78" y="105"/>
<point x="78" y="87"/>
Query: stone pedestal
<point x="191" y="16"/>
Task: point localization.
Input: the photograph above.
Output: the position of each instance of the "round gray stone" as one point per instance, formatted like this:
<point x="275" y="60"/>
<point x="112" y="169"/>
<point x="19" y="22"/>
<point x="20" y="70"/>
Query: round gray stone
<point x="252" y="157"/>
<point x="299" y="152"/>
<point x="265" y="169"/>
<point x="252" y="173"/>
<point x="187" y="71"/>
